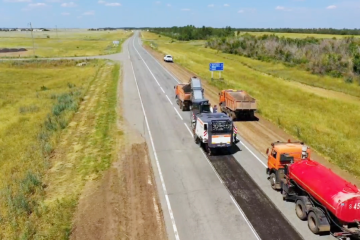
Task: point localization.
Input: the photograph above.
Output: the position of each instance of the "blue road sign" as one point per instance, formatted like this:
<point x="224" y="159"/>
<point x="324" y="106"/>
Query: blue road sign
<point x="216" y="66"/>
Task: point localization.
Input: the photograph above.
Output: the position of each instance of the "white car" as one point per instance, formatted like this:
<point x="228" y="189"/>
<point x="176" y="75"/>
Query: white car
<point x="168" y="58"/>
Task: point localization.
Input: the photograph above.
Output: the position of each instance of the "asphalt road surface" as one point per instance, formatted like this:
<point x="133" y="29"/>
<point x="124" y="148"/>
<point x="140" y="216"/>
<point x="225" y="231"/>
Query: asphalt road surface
<point x="197" y="199"/>
<point x="202" y="198"/>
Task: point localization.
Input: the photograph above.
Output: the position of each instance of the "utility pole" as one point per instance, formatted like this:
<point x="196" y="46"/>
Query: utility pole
<point x="32" y="36"/>
<point x="57" y="33"/>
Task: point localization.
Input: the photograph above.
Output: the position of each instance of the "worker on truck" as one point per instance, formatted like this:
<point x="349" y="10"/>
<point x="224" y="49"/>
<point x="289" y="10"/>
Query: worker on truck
<point x="214" y="109"/>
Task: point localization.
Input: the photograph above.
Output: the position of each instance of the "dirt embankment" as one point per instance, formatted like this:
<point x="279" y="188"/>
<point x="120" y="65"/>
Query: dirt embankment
<point x="258" y="133"/>
<point x="124" y="205"/>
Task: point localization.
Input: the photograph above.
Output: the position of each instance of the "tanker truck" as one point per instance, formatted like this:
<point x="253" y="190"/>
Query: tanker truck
<point x="237" y="104"/>
<point x="329" y="203"/>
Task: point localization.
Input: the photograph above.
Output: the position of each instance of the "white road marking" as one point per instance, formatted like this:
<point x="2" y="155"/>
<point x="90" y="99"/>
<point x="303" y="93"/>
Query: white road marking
<point x="254" y="155"/>
<point x="157" y="161"/>
<point x="178" y="113"/>
<point x="169" y="99"/>
<point x="162" y="89"/>
<point x="166" y="196"/>
<point x="189" y="129"/>
<point x="247" y="220"/>
<point x="210" y="107"/>
<point x="146" y="64"/>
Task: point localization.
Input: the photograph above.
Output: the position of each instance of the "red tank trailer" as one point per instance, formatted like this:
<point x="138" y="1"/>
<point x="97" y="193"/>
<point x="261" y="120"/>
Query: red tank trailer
<point x="328" y="202"/>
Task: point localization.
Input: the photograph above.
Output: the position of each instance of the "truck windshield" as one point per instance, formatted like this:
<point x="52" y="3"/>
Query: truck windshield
<point x="205" y="108"/>
<point x="221" y="126"/>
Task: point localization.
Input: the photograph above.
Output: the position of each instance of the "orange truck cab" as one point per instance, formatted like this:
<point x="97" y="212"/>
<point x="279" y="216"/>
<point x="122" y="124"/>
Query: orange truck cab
<point x="281" y="154"/>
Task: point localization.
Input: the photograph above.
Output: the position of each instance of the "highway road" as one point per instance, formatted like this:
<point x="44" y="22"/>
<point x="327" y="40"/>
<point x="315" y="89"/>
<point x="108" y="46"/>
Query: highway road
<point x="196" y="192"/>
<point x="202" y="198"/>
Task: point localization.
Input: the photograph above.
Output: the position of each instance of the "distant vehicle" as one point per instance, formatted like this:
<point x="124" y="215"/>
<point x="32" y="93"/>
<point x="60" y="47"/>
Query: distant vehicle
<point x="168" y="58"/>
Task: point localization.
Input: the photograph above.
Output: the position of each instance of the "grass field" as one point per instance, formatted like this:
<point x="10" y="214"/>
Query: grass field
<point x="327" y="122"/>
<point x="300" y="35"/>
<point x="63" y="44"/>
<point x="57" y="130"/>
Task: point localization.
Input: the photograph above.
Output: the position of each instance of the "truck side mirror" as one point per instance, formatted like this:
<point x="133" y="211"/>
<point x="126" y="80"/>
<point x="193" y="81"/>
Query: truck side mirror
<point x="193" y="121"/>
<point x="174" y="87"/>
<point x="267" y="151"/>
<point x="219" y="94"/>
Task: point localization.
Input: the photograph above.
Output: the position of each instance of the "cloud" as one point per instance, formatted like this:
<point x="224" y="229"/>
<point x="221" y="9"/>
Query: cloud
<point x="69" y="4"/>
<point x="241" y="11"/>
<point x="115" y="4"/>
<point x="157" y="2"/>
<point x="281" y="8"/>
<point x="168" y="5"/>
<point x="65" y="13"/>
<point x="185" y="9"/>
<point x="89" y="13"/>
<point x="226" y="5"/>
<point x="101" y="2"/>
<point x="252" y="10"/>
<point x="211" y="5"/>
<point x="17" y="1"/>
<point x="331" y="7"/>
<point x="32" y="5"/>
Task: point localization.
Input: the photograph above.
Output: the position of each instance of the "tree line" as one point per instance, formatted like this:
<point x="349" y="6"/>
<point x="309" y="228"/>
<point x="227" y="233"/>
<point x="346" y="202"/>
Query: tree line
<point x="335" y="57"/>
<point x="190" y="32"/>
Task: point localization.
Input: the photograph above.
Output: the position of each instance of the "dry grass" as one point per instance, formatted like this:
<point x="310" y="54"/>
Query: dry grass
<point x="47" y="153"/>
<point x="63" y="44"/>
<point x="327" y="123"/>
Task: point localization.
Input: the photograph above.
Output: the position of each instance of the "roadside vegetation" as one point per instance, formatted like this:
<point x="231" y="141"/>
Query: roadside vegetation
<point x="63" y="43"/>
<point x="57" y="131"/>
<point x="326" y="120"/>
<point x="334" y="57"/>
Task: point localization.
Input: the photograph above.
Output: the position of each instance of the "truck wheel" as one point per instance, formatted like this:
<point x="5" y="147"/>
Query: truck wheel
<point x="313" y="223"/>
<point x="197" y="140"/>
<point x="273" y="181"/>
<point x="300" y="210"/>
<point x="180" y="104"/>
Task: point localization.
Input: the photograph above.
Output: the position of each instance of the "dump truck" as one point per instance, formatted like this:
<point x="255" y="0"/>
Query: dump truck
<point x="187" y="93"/>
<point x="278" y="157"/>
<point x="329" y="203"/>
<point x="237" y="104"/>
<point x="213" y="132"/>
<point x="182" y="96"/>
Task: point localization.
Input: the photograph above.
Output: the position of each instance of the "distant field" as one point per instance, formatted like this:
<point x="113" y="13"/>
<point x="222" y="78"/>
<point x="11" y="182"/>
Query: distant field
<point x="300" y="35"/>
<point x="57" y="130"/>
<point x="324" y="119"/>
<point x="63" y="43"/>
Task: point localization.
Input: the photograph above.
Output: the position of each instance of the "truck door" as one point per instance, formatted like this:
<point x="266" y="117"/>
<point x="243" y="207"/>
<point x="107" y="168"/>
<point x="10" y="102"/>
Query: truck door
<point x="272" y="159"/>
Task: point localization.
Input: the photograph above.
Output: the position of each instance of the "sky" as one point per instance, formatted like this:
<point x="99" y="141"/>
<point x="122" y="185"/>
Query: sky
<point x="168" y="13"/>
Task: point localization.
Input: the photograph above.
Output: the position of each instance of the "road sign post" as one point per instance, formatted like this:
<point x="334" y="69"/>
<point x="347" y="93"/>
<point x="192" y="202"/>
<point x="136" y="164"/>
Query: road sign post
<point x="216" y="67"/>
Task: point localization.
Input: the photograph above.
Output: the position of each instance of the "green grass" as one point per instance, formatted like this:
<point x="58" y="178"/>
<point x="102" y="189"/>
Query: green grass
<point x="300" y="35"/>
<point x="63" y="44"/>
<point x="44" y="145"/>
<point x="328" y="124"/>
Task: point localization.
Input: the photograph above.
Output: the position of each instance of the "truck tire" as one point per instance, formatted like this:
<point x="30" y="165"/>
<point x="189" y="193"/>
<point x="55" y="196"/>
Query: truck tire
<point x="180" y="104"/>
<point x="313" y="223"/>
<point x="300" y="210"/>
<point x="272" y="180"/>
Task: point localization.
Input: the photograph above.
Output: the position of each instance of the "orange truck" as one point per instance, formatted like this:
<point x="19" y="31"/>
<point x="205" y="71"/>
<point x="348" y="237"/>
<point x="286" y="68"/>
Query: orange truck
<point x="237" y="104"/>
<point x="183" y="96"/>
<point x="281" y="154"/>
